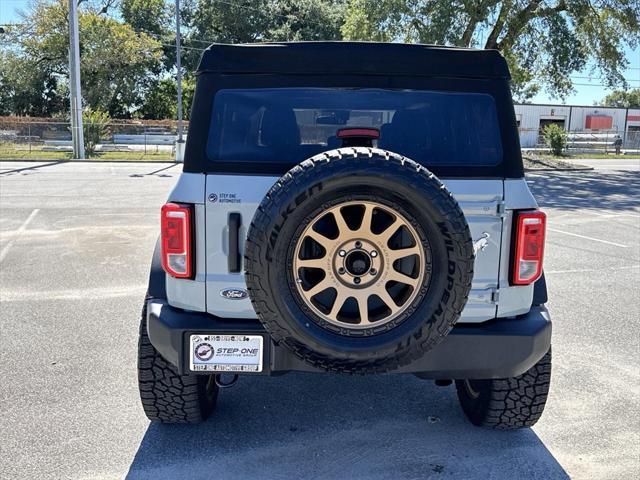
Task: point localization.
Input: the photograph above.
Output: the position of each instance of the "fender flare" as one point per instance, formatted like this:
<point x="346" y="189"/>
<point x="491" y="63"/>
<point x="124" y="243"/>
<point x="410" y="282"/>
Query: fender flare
<point x="157" y="277"/>
<point x="539" y="292"/>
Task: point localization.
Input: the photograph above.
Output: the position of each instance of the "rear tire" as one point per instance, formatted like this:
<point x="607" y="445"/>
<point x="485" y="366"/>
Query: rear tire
<point x="507" y="403"/>
<point x="167" y="396"/>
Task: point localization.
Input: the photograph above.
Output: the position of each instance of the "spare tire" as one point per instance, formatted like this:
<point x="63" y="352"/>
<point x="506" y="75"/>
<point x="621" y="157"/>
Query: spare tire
<point x="358" y="260"/>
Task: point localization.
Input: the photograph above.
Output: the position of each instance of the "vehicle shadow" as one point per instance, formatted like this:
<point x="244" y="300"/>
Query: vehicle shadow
<point x="591" y="189"/>
<point x="337" y="426"/>
<point x="155" y="172"/>
<point x="30" y="169"/>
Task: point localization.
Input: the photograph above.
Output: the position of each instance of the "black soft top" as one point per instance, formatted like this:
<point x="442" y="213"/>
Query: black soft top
<point x="361" y="58"/>
<point x="349" y="65"/>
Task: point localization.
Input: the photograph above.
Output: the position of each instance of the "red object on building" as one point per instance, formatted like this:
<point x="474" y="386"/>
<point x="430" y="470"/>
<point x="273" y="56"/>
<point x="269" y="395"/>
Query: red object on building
<point x="599" y="122"/>
<point x="634" y="118"/>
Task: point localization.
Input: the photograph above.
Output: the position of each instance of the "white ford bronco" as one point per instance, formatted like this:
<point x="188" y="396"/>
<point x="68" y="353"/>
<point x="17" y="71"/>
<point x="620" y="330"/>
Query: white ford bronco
<point x="355" y="208"/>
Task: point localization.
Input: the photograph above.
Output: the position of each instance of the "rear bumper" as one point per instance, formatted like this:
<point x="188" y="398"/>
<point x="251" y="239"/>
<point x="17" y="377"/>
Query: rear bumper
<point x="496" y="349"/>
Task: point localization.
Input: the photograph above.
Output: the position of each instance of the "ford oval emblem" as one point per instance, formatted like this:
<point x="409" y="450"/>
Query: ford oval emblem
<point x="234" y="293"/>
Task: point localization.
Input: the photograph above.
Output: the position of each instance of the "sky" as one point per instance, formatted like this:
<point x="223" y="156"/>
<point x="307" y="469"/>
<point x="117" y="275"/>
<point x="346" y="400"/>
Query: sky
<point x="588" y="90"/>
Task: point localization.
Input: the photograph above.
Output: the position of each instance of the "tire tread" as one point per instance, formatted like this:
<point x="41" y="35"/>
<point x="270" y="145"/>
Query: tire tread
<point x="167" y="396"/>
<point x="509" y="403"/>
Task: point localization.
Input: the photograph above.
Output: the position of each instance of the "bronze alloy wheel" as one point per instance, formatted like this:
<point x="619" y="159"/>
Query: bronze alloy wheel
<point x="359" y="264"/>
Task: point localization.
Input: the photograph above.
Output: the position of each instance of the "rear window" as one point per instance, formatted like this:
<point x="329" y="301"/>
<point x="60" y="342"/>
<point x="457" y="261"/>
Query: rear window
<point x="287" y="125"/>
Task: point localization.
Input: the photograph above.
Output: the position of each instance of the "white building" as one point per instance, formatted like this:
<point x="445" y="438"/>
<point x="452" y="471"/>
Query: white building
<point x="587" y="126"/>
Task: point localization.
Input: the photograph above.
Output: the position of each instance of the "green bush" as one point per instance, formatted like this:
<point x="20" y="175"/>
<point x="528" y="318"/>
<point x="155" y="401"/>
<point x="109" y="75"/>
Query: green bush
<point x="95" y="127"/>
<point x="556" y="138"/>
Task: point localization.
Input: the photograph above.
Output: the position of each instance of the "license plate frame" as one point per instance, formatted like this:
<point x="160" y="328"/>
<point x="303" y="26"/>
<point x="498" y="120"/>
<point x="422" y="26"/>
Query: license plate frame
<point x="226" y="353"/>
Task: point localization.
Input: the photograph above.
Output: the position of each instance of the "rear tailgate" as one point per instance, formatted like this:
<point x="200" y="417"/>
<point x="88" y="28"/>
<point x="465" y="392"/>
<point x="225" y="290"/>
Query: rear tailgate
<point x="231" y="201"/>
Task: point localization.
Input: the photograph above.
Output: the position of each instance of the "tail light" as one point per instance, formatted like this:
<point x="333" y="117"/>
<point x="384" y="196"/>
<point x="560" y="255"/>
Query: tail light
<point x="176" y="240"/>
<point x="528" y="247"/>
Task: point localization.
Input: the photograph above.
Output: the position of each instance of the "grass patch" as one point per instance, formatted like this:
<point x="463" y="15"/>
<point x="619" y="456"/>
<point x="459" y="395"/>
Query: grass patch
<point x="133" y="157"/>
<point x="12" y="151"/>
<point x="539" y="162"/>
<point x="604" y="156"/>
<point x="587" y="156"/>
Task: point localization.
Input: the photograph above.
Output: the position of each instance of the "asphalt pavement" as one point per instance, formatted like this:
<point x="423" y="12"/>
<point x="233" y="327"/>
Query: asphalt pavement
<point x="75" y="246"/>
<point x="615" y="163"/>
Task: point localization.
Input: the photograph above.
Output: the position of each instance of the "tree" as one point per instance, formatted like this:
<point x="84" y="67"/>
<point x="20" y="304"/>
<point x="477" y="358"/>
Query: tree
<point x="116" y="62"/>
<point x="556" y="138"/>
<point x="5" y="89"/>
<point x="544" y="41"/>
<point x="155" y="18"/>
<point x="149" y="16"/>
<point x="622" y="99"/>
<point x="161" y="102"/>
<point x="95" y="126"/>
<point x="25" y="90"/>
<point x="246" y="21"/>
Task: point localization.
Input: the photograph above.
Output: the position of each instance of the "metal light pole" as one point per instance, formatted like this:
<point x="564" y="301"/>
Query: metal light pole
<point x="74" y="82"/>
<point x="180" y="141"/>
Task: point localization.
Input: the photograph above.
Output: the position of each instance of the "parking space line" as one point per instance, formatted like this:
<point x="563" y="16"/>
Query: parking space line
<point x="600" y="212"/>
<point x="21" y="229"/>
<point x="617" y="219"/>
<point x="585" y="270"/>
<point x="587" y="238"/>
<point x="25" y="295"/>
<point x="597" y="214"/>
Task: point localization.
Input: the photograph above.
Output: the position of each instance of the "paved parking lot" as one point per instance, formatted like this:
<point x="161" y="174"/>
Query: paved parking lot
<point x="609" y="164"/>
<point x="75" y="244"/>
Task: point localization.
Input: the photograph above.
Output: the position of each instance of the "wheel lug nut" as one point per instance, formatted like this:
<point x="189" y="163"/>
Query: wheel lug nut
<point x="342" y="253"/>
<point x="358" y="244"/>
<point x="373" y="271"/>
<point x="356" y="280"/>
<point x="374" y="254"/>
<point x="341" y="271"/>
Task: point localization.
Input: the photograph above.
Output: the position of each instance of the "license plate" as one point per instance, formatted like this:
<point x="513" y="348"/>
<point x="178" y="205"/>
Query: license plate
<point x="226" y="353"/>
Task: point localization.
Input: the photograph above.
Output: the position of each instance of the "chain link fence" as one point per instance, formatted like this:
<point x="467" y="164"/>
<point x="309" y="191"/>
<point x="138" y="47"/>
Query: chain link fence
<point x="51" y="140"/>
<point x="45" y="139"/>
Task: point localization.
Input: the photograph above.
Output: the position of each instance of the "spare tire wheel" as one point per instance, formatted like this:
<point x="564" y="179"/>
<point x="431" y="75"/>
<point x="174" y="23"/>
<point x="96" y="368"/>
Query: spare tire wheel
<point x="358" y="260"/>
